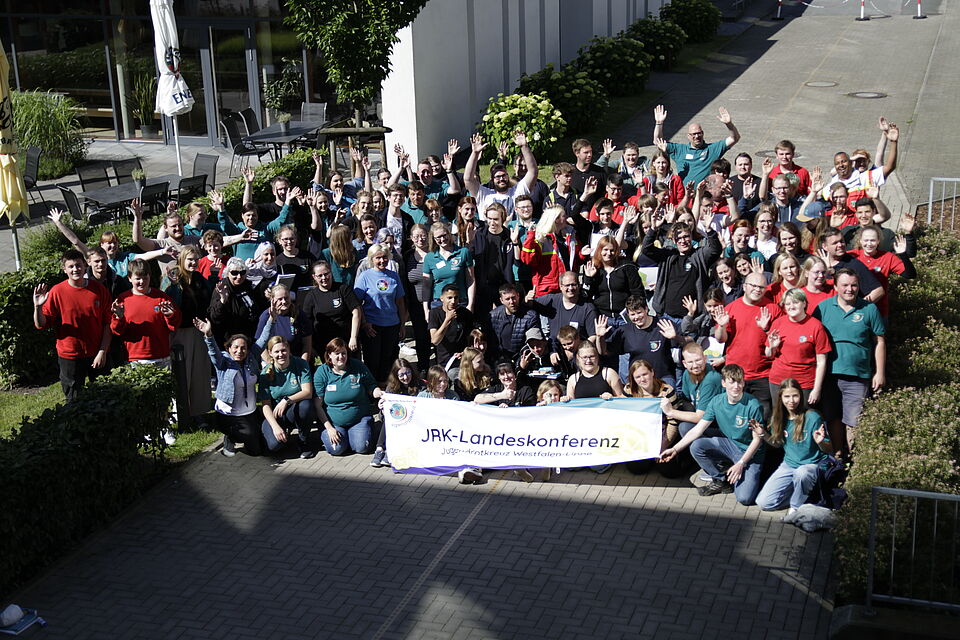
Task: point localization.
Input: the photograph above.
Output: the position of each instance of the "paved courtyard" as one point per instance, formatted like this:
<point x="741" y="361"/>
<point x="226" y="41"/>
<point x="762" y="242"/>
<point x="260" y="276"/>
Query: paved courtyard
<point x="331" y="548"/>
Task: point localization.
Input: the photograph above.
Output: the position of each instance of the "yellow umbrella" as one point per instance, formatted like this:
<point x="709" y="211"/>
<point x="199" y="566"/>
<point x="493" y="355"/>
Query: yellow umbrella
<point x="13" y="192"/>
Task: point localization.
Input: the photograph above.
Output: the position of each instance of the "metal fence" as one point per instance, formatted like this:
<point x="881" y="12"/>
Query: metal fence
<point x="948" y="189"/>
<point x="921" y="548"/>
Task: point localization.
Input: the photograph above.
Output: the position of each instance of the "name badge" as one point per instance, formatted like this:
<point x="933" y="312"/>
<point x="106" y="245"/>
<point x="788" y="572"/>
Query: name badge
<point x="441" y="264"/>
<point x="331" y="387"/>
<point x="574" y="324"/>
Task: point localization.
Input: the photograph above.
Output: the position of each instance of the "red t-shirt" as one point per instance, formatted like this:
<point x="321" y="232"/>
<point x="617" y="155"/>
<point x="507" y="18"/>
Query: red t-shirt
<point x="746" y="343"/>
<point x="803" y="188"/>
<point x="675" y="196"/>
<point x="800" y="343"/>
<point x="79" y="316"/>
<point x="813" y="299"/>
<point x="776" y="290"/>
<point x="205" y="266"/>
<point x="617" y="216"/>
<point x="144" y="330"/>
<point x="882" y="265"/>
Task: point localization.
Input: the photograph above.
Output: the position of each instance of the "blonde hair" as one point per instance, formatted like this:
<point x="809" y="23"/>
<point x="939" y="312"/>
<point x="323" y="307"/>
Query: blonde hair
<point x="341" y="247"/>
<point x="548" y="222"/>
<point x="182" y="274"/>
<point x="271" y="369"/>
<point x="471" y="378"/>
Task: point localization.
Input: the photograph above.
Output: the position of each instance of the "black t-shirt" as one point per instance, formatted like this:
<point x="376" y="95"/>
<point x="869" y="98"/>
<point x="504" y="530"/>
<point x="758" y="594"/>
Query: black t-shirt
<point x="682" y="276"/>
<point x="455" y="339"/>
<point x="331" y="313"/>
<point x="298" y="265"/>
<point x="524" y="397"/>
<point x="580" y="178"/>
<point x="581" y="317"/>
<point x="643" y="344"/>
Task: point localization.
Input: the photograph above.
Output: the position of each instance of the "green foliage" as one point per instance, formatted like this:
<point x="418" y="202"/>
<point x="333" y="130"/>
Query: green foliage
<point x="50" y="122"/>
<point x="280" y="94"/>
<point x="534" y="115"/>
<point x="27" y="355"/>
<point x="143" y="98"/>
<point x="69" y="470"/>
<point x="662" y="39"/>
<point x="298" y="167"/>
<point x="907" y="439"/>
<point x="579" y="97"/>
<point x="619" y="64"/>
<point x="700" y="19"/>
<point x="355" y="38"/>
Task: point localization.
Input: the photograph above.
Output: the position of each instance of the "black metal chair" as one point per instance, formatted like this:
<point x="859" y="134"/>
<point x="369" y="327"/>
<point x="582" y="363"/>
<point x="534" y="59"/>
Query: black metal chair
<point x="31" y="171"/>
<point x="206" y="165"/>
<point x="250" y="120"/>
<point x="313" y="111"/>
<point x="236" y="143"/>
<point x="190" y="189"/>
<point x="93" y="177"/>
<point x="124" y="169"/>
<point x="154" y="197"/>
<point x="72" y="201"/>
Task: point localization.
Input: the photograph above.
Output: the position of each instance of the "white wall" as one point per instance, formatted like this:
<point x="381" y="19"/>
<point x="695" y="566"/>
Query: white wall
<point x="459" y="53"/>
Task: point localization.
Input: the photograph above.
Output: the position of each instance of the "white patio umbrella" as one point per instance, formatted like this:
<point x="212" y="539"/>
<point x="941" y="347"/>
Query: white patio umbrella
<point x="173" y="95"/>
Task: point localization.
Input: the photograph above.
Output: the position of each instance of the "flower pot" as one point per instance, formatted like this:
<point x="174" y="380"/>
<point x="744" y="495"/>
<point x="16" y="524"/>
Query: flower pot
<point x="147" y="131"/>
<point x="139" y="183"/>
<point x="285" y="127"/>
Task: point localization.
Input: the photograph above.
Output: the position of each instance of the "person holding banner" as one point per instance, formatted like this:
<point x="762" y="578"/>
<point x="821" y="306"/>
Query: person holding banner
<point x="506" y="392"/>
<point x="473" y="375"/>
<point x="644" y="383"/>
<point x="734" y="459"/>
<point x="403" y="380"/>
<point x="345" y="385"/>
<point x="592" y="380"/>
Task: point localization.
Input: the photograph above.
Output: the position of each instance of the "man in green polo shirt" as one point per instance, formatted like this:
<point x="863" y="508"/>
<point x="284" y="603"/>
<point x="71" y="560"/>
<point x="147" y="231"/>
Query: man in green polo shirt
<point x="858" y="359"/>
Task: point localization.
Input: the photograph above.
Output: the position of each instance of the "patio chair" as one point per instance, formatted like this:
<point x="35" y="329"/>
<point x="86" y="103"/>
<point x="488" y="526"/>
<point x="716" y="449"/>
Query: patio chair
<point x="237" y="145"/>
<point x="124" y="169"/>
<point x="206" y="165"/>
<point x="154" y="197"/>
<point x="31" y="170"/>
<point x="72" y="202"/>
<point x="190" y="189"/>
<point x="313" y="111"/>
<point x="250" y="121"/>
<point x="93" y="177"/>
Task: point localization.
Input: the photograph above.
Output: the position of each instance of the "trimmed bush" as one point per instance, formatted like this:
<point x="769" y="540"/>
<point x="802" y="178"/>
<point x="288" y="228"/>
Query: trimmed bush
<point x="700" y="19"/>
<point x="297" y="166"/>
<point x="662" y="39"/>
<point x="71" y="469"/>
<point x="534" y="115"/>
<point x="619" y="63"/>
<point x="27" y="355"/>
<point x="50" y="122"/>
<point x="579" y="97"/>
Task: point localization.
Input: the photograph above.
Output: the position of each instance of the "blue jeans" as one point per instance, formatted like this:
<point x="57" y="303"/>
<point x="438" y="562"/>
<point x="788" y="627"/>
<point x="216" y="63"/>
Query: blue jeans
<point x="709" y="451"/>
<point x="710" y="432"/>
<point x="787" y="484"/>
<point x="352" y="438"/>
<point x="300" y="415"/>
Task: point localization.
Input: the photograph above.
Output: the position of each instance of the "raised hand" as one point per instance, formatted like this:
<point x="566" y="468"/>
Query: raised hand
<point x="520" y="138"/>
<point x="295" y="192"/>
<point x="405" y="161"/>
<point x="749" y="187"/>
<point x="720" y="316"/>
<point x="477" y="145"/>
<point x="659" y="114"/>
<point x="223" y="292"/>
<point x="723" y="115"/>
<point x="398" y="150"/>
<point x="767" y="166"/>
<point x="203" y="326"/>
<point x="631" y="214"/>
<point x="453" y="145"/>
<point x="908" y="222"/>
<point x="608" y="147"/>
<point x="117" y="309"/>
<point x="247" y="173"/>
<point x="726" y="189"/>
<point x="763" y="319"/>
<point x="690" y="304"/>
<point x="40" y="294"/>
<point x="601" y="326"/>
<point x="166" y="308"/>
<point x="589" y="269"/>
<point x="873" y="192"/>
<point x="172" y="206"/>
<point x="135" y="208"/>
<point x="515" y="234"/>
<point x="503" y="150"/>
<point x="317" y="159"/>
<point x="216" y="200"/>
<point x="667" y="329"/>
<point x="773" y="339"/>
<point x="448" y="162"/>
<point x="757" y="427"/>
<point x="355" y="155"/>
<point x="893" y="133"/>
<point x="816" y="178"/>
<point x="756" y="265"/>
<point x="365" y="163"/>
<point x="660" y="144"/>
<point x="899" y="244"/>
<point x="883" y="125"/>
<point x="590" y="185"/>
<point x="56" y="215"/>
<point x="836" y="218"/>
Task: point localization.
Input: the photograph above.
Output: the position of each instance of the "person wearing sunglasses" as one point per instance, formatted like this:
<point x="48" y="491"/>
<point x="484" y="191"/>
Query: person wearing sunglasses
<point x="234" y="306"/>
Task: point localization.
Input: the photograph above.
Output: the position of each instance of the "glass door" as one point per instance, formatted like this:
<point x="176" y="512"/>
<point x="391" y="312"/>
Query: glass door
<point x="233" y="71"/>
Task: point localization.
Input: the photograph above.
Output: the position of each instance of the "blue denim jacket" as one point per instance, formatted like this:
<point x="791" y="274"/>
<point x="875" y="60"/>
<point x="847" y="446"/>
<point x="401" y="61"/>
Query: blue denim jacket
<point x="225" y="366"/>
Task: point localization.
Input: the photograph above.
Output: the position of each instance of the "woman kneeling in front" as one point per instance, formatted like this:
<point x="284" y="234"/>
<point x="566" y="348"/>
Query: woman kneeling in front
<point x="345" y="385"/>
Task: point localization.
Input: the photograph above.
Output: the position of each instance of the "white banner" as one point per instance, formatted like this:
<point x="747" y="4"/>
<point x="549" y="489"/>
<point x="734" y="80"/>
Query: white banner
<point x="426" y="435"/>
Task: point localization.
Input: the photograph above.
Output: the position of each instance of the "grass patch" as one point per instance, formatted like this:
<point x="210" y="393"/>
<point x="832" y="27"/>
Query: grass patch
<point x="26" y="403"/>
<point x="190" y="444"/>
<point x="693" y="53"/>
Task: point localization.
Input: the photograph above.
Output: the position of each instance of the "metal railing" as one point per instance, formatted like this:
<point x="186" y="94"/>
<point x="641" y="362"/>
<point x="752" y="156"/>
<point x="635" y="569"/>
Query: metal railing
<point x="918" y="548"/>
<point x="944" y="189"/>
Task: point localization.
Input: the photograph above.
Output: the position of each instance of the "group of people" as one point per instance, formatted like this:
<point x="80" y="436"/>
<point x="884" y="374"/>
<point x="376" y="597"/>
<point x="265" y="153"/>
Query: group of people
<point x="754" y="306"/>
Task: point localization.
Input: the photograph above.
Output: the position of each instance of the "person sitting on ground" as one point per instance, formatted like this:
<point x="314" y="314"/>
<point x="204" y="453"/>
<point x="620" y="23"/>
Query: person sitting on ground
<point x="802" y="434"/>
<point x="473" y="375"/>
<point x="403" y="380"/>
<point x="506" y="392"/>
<point x="345" y="385"/>
<point x="79" y="311"/>
<point x="694" y="159"/>
<point x="732" y="460"/>
<point x="286" y="391"/>
<point x="236" y="401"/>
<point x="642" y="382"/>
<point x="699" y="384"/>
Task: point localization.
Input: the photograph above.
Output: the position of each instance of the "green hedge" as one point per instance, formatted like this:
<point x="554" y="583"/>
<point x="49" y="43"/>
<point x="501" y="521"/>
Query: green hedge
<point x="68" y="471"/>
<point x="700" y="19"/>
<point x="619" y="64"/>
<point x="298" y="166"/>
<point x="908" y="437"/>
<point x="579" y="97"/>
<point x="662" y="39"/>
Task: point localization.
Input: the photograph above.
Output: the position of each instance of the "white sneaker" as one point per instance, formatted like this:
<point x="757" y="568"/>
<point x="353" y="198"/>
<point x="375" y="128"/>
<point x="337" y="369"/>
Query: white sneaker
<point x="168" y="436"/>
<point x="229" y="449"/>
<point x="470" y="476"/>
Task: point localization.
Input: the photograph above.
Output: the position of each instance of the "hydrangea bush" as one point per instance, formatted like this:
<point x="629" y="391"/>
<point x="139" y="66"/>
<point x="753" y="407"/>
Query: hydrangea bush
<point x="579" y="97"/>
<point x="662" y="39"/>
<point x="619" y="63"/>
<point x="700" y="19"/>
<point x="535" y="115"/>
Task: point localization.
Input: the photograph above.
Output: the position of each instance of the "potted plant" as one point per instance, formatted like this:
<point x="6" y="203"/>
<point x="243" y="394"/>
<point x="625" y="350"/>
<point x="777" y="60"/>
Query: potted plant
<point x="280" y="92"/>
<point x="143" y="103"/>
<point x="284" y="119"/>
<point x="139" y="178"/>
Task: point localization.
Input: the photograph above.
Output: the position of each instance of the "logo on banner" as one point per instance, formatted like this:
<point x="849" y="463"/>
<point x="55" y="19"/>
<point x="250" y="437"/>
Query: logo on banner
<point x="399" y="413"/>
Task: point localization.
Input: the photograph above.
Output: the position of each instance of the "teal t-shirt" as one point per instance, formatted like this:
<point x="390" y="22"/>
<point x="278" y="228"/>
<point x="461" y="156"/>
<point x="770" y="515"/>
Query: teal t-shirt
<point x="346" y="395"/>
<point x="851" y="335"/>
<point x="734" y="419"/>
<point x="419" y="214"/>
<point x="340" y="274"/>
<point x="445" y="271"/>
<point x="807" y="451"/>
<point x="702" y="393"/>
<point x="694" y="164"/>
<point x="285" y="382"/>
<point x="122" y="262"/>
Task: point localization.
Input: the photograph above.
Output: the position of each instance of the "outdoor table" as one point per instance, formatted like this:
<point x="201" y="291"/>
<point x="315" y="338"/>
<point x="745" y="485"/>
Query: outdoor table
<point x="277" y="136"/>
<point x="333" y="133"/>
<point x="117" y="195"/>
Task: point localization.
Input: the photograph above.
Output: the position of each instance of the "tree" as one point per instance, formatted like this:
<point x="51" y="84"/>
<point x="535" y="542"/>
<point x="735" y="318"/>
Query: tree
<point x="355" y="38"/>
